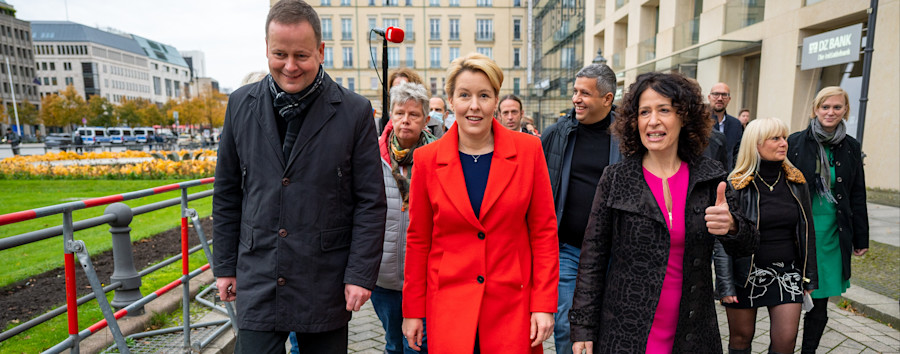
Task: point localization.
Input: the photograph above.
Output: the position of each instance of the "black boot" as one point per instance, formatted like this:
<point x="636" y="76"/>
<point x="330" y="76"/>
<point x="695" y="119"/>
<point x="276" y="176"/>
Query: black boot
<point x="812" y="333"/>
<point x="740" y="351"/>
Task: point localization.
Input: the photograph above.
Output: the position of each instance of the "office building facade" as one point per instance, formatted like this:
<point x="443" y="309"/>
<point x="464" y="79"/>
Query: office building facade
<point x="17" y="71"/>
<point x="757" y="48"/>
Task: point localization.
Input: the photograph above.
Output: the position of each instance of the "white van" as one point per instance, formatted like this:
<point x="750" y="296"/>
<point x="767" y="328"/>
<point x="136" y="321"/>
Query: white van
<point x="93" y="135"/>
<point x="141" y="134"/>
<point x="119" y="135"/>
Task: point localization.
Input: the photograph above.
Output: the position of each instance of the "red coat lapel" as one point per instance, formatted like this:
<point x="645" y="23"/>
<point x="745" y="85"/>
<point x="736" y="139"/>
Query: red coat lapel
<point x="503" y="166"/>
<point x="450" y="175"/>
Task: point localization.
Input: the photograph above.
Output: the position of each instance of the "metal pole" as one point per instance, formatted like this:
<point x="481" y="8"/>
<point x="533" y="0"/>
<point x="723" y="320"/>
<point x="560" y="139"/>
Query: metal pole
<point x="123" y="259"/>
<point x="867" y="68"/>
<point x="13" y="92"/>
<point x="384" y="88"/>
<point x="185" y="271"/>
<point x="69" y="258"/>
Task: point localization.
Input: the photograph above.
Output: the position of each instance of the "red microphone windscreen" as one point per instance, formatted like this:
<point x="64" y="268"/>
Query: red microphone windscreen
<point x="394" y="34"/>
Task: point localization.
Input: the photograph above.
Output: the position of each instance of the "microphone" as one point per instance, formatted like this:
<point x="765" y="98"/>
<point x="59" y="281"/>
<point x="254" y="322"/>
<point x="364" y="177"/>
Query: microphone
<point x="392" y="34"/>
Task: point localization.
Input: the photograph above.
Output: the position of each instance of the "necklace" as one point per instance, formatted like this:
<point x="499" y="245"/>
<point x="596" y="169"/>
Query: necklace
<point x="771" y="186"/>
<point x="475" y="157"/>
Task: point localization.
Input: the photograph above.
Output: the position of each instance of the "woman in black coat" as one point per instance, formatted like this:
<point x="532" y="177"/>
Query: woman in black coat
<point x="783" y="269"/>
<point x="644" y="281"/>
<point x="831" y="162"/>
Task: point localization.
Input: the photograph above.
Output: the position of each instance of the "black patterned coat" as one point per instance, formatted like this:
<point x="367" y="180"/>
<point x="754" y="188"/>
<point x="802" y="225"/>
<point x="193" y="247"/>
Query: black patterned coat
<point x="624" y="259"/>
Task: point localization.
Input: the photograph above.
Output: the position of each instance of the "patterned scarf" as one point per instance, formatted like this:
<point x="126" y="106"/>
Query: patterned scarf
<point x="401" y="157"/>
<point x="823" y="165"/>
<point x="291" y="106"/>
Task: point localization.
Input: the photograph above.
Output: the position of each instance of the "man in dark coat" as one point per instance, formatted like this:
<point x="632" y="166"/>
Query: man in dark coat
<point x="719" y="97"/>
<point x="299" y="203"/>
<point x="577" y="148"/>
<point x="13" y="139"/>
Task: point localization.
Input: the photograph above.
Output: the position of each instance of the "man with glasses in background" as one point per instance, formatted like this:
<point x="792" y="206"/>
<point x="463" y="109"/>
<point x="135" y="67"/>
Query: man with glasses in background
<point x="719" y="97"/>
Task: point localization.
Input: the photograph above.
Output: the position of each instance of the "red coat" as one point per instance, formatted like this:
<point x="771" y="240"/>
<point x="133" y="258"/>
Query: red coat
<point x="513" y="247"/>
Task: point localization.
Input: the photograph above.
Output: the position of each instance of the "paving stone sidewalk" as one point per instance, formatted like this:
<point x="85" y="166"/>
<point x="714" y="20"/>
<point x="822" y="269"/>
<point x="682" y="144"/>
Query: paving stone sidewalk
<point x="846" y="333"/>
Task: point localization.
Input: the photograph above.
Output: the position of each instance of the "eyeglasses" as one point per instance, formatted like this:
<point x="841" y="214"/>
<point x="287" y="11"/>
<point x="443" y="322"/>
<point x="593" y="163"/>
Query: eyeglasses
<point x="719" y="94"/>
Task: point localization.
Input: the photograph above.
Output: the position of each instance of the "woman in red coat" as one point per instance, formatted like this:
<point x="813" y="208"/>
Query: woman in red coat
<point x="482" y="252"/>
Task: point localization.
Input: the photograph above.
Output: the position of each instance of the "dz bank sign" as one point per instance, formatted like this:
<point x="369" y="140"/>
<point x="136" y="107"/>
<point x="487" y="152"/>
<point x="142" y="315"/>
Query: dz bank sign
<point x="831" y="48"/>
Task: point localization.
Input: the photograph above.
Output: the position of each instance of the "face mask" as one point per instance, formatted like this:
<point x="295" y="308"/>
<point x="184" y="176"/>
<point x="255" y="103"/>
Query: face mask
<point x="436" y="118"/>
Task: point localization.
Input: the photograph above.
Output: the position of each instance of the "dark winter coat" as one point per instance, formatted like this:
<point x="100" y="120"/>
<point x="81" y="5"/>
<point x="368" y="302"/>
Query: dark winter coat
<point x="731" y="271"/>
<point x="625" y="256"/>
<point x="849" y="188"/>
<point x="558" y="142"/>
<point x="294" y="232"/>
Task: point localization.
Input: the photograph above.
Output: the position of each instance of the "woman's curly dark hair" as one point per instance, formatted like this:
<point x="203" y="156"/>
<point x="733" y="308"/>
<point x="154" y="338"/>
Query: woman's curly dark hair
<point x="688" y="103"/>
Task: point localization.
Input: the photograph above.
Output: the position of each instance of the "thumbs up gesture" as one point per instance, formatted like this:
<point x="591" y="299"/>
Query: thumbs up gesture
<point x="718" y="217"/>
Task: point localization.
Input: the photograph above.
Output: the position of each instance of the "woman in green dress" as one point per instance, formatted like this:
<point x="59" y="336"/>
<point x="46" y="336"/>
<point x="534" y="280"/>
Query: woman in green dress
<point x="831" y="162"/>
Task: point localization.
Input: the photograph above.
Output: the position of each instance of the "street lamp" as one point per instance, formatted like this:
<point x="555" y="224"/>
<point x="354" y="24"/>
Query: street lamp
<point x="599" y="59"/>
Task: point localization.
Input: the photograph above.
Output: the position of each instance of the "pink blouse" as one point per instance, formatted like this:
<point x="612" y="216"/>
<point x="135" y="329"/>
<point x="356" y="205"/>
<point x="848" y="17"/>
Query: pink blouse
<point x="665" y="320"/>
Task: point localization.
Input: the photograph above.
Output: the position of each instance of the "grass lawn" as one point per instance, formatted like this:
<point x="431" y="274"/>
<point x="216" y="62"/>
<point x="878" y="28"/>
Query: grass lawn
<point x="54" y="331"/>
<point x="35" y="258"/>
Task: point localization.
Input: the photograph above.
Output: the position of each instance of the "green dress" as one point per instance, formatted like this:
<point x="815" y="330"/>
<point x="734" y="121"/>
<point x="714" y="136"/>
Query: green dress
<point x="828" y="247"/>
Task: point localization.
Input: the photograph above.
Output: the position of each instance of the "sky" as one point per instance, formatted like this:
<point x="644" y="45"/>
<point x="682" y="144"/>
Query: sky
<point x="229" y="32"/>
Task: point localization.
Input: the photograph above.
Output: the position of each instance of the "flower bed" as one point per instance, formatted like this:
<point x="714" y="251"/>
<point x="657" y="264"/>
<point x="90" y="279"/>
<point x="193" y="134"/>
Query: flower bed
<point x="111" y="165"/>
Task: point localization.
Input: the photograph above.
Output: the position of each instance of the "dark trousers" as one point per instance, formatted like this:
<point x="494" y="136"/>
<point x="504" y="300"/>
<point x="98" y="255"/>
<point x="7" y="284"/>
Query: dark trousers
<point x="252" y="342"/>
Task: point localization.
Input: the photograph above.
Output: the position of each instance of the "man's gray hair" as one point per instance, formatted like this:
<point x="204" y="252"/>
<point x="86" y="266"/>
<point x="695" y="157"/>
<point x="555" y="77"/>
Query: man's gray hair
<point x="606" y="78"/>
<point x="406" y="91"/>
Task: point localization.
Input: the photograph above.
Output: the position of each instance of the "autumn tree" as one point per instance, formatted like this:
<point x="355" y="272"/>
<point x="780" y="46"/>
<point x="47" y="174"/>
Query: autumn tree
<point x="149" y="113"/>
<point x="101" y="112"/>
<point x="189" y="111"/>
<point x="212" y="105"/>
<point x="128" y="113"/>
<point x="28" y="114"/>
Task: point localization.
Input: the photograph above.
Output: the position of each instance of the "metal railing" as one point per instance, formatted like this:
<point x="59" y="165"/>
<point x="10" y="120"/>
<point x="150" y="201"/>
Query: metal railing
<point x="125" y="280"/>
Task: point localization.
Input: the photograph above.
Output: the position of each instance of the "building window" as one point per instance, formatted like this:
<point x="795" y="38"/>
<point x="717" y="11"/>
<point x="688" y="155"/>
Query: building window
<point x="53" y="81"/>
<point x="567" y="57"/>
<point x="433" y="85"/>
<point x="516" y="85"/>
<point x="387" y="3"/>
<point x="328" y="61"/>
<point x="391" y="22"/>
<point x="346" y="29"/>
<point x="52" y="66"/>
<point x="345" y="2"/>
<point x="373" y="83"/>
<point x="393" y="57"/>
<point x="454" y="53"/>
<point x="326" y="29"/>
<point x="486" y="51"/>
<point x="351" y="84"/>
<point x="435" y="25"/>
<point x="410" y="57"/>
<point x="410" y="35"/>
<point x="371" y="2"/>
<point x="454" y="29"/>
<point x="517" y="3"/>
<point x="373" y="57"/>
<point x="348" y="57"/>
<point x="339" y="81"/>
<point x="408" y="2"/>
<point x="326" y="2"/>
<point x="517" y="29"/>
<point x="516" y="57"/>
<point x="484" y="30"/>
<point x="168" y="88"/>
<point x="69" y="81"/>
<point x="435" y="57"/>
<point x="454" y="3"/>
<point x="484" y="3"/>
<point x="46" y="81"/>
<point x="435" y="3"/>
